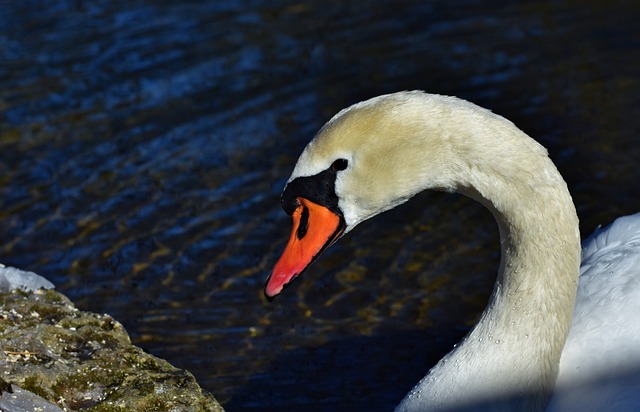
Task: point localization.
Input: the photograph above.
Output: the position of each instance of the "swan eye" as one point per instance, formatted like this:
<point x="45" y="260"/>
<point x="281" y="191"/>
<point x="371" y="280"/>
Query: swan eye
<point x="339" y="164"/>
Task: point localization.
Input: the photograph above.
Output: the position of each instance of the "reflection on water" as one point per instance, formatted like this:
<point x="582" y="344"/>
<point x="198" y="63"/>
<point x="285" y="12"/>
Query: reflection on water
<point x="143" y="147"/>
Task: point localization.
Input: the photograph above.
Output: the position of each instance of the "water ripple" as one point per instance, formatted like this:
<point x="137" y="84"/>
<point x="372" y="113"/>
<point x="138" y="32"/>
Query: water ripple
<point x="144" y="145"/>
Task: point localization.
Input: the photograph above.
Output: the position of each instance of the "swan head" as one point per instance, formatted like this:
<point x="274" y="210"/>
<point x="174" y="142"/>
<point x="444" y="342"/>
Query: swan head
<point x="376" y="154"/>
<point x="364" y="161"/>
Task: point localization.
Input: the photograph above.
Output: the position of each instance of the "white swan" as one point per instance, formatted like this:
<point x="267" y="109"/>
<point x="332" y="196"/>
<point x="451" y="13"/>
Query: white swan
<point x="377" y="154"/>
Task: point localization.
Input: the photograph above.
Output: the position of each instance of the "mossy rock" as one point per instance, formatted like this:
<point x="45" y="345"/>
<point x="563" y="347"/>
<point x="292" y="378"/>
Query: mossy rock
<point x="85" y="361"/>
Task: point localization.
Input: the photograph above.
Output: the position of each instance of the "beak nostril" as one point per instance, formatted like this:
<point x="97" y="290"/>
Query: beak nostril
<point x="303" y="226"/>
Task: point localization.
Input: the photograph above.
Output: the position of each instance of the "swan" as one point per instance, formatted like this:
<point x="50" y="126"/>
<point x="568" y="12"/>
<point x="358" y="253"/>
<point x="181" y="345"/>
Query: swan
<point x="535" y="346"/>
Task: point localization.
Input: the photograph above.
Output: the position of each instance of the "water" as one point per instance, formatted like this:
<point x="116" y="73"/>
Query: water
<point x="143" y="147"/>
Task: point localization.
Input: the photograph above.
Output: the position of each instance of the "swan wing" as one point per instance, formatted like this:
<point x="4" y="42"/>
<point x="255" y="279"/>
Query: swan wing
<point x="600" y="364"/>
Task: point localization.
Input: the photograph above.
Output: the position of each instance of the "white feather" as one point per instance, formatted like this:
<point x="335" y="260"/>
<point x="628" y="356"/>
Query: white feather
<point x="600" y="364"/>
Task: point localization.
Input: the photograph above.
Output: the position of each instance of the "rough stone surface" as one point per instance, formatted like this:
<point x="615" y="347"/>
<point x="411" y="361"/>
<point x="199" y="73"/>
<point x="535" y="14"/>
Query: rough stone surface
<point x="13" y="278"/>
<point x="85" y="361"/>
<point x="16" y="399"/>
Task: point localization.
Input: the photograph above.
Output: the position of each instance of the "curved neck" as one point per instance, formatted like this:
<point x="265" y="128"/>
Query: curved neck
<point x="509" y="361"/>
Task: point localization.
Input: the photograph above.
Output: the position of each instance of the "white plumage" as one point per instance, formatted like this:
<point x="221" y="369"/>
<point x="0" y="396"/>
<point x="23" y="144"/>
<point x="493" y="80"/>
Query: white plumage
<point x="600" y="363"/>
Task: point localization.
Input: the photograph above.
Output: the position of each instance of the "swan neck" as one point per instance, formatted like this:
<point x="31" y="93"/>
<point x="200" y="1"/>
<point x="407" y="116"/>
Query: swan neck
<point x="512" y="355"/>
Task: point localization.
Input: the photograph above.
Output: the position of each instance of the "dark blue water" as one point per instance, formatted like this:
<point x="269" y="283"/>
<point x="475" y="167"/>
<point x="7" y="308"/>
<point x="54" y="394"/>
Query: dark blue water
<point x="143" y="147"/>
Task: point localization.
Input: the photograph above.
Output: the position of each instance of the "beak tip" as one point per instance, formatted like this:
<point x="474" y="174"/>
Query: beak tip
<point x="271" y="290"/>
<point x="270" y="295"/>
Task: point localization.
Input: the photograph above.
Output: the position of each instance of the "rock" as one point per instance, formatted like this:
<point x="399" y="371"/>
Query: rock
<point x="19" y="400"/>
<point x="12" y="278"/>
<point x="80" y="360"/>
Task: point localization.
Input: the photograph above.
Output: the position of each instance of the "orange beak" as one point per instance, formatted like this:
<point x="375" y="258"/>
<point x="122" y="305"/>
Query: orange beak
<point x="315" y="228"/>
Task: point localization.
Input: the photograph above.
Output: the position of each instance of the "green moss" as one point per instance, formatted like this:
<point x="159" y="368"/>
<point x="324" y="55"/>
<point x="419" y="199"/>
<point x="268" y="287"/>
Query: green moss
<point x="152" y="365"/>
<point x="54" y="297"/>
<point x="145" y="388"/>
<point x="47" y="312"/>
<point x="32" y="384"/>
<point x="183" y="382"/>
<point x="108" y="324"/>
<point x="71" y="383"/>
<point x="131" y="359"/>
<point x="154" y="405"/>
<point x="108" y="407"/>
<point x="20" y="292"/>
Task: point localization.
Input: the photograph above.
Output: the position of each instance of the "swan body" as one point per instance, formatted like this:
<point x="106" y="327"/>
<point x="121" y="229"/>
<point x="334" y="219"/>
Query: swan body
<point x="600" y="363"/>
<point x="377" y="154"/>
